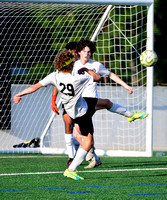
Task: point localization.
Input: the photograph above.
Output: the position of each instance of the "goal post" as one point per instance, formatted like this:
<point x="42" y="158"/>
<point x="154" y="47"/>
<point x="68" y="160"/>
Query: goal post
<point x="150" y="79"/>
<point x="33" y="32"/>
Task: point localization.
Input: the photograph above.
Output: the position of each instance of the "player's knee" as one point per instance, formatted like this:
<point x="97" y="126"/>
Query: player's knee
<point x="108" y="104"/>
<point x="87" y="146"/>
<point x="69" y="128"/>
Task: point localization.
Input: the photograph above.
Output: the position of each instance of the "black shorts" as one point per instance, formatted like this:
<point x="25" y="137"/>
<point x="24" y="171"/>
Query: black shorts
<point x="85" y="122"/>
<point x="64" y="111"/>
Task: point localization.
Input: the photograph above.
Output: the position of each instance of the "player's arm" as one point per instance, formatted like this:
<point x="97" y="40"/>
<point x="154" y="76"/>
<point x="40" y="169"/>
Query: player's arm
<point x="96" y="77"/>
<point x="29" y="90"/>
<point x="115" y="78"/>
<point x="53" y="102"/>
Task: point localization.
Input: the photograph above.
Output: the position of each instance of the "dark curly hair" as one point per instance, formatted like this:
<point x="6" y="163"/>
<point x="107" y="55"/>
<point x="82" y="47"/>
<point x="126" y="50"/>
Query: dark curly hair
<point x="85" y="43"/>
<point x="71" y="45"/>
<point x="64" y="61"/>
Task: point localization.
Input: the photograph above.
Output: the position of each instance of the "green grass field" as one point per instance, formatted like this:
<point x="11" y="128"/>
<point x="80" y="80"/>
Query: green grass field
<point x="41" y="177"/>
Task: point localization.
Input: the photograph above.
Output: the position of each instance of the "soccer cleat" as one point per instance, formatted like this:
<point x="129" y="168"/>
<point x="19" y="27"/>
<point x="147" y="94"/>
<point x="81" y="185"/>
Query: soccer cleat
<point x="90" y="154"/>
<point x="69" y="162"/>
<point x="72" y="175"/>
<point x="137" y="115"/>
<point x="94" y="163"/>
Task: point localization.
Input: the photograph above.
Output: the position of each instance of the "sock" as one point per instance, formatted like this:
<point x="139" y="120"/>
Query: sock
<point x="69" y="145"/>
<point x="116" y="108"/>
<point x="79" y="158"/>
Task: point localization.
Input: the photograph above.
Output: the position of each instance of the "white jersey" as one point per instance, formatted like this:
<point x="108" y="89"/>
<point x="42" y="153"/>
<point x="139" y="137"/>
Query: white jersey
<point x="70" y="88"/>
<point x="91" y="89"/>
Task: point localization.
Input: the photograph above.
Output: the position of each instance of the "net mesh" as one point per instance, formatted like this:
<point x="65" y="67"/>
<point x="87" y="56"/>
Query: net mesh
<point x="33" y="34"/>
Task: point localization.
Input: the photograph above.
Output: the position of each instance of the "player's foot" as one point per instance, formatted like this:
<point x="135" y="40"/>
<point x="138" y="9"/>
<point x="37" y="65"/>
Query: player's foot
<point x="137" y="115"/>
<point x="90" y="154"/>
<point x="72" y="175"/>
<point x="69" y="162"/>
<point x="94" y="163"/>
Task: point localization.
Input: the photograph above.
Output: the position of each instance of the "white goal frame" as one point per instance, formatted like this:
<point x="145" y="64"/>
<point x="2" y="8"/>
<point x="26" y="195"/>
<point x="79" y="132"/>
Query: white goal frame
<point x="149" y="90"/>
<point x="150" y="46"/>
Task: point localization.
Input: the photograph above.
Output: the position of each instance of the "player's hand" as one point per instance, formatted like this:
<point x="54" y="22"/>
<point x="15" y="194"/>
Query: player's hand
<point x="17" y="99"/>
<point x="54" y="106"/>
<point x="130" y="90"/>
<point x="82" y="70"/>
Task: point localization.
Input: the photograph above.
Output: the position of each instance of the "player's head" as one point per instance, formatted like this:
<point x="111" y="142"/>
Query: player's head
<point x="85" y="43"/>
<point x="71" y="47"/>
<point x="64" y="61"/>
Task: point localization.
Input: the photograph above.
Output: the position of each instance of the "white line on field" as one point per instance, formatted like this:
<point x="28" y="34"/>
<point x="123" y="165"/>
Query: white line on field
<point x="99" y="171"/>
<point x="46" y="156"/>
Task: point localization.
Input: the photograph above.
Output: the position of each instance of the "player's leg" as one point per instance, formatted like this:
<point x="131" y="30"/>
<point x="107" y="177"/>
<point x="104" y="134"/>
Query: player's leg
<point x="116" y="108"/>
<point x="92" y="158"/>
<point x="69" y="138"/>
<point x="73" y="141"/>
<point x="83" y="126"/>
<point x="80" y="155"/>
<point x="112" y="107"/>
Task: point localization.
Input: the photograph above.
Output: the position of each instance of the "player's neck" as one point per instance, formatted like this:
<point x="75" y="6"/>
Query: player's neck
<point x="64" y="72"/>
<point x="83" y="62"/>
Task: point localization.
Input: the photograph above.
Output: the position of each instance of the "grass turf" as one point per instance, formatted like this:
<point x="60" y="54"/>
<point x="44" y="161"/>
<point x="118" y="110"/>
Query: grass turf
<point x="41" y="177"/>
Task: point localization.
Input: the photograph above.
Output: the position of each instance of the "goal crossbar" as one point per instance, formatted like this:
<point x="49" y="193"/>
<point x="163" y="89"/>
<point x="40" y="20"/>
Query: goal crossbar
<point x="107" y="2"/>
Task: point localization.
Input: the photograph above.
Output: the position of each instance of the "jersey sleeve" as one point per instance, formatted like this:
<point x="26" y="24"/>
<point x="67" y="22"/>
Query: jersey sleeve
<point x="85" y="79"/>
<point x="103" y="71"/>
<point x="48" y="79"/>
<point x="75" y="69"/>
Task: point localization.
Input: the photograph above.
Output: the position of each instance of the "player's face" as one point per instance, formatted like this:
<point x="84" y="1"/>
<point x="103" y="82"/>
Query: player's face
<point x="73" y="52"/>
<point x="85" y="54"/>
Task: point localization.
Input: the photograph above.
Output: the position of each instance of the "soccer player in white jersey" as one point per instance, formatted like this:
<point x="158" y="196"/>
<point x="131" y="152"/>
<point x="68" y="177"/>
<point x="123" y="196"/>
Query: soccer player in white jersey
<point x="78" y="108"/>
<point x="85" y="49"/>
<point x="71" y="143"/>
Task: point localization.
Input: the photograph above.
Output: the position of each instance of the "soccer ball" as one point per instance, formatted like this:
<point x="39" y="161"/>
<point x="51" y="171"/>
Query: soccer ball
<point x="148" y="58"/>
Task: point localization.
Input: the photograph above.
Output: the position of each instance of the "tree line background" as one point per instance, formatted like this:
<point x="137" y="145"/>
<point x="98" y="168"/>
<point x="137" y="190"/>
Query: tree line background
<point x="23" y="52"/>
<point x="160" y="21"/>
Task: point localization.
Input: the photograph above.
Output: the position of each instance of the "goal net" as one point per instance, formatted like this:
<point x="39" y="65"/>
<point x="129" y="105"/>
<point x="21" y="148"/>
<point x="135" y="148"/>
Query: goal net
<point x="34" y="33"/>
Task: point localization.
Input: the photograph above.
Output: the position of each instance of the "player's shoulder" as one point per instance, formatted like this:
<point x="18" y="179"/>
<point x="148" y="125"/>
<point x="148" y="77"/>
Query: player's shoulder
<point x="77" y="62"/>
<point x="53" y="74"/>
<point x="93" y="61"/>
<point x="95" y="64"/>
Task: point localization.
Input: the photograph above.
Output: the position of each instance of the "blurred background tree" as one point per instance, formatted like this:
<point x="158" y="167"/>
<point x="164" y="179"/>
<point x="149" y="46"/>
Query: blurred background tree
<point x="160" y="21"/>
<point x="38" y="30"/>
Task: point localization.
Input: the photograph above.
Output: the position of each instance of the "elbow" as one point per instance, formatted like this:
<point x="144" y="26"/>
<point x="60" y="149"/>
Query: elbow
<point x="98" y="78"/>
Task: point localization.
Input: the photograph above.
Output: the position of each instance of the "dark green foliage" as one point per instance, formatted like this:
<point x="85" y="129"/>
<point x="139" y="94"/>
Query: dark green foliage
<point x="33" y="35"/>
<point x="160" y="16"/>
